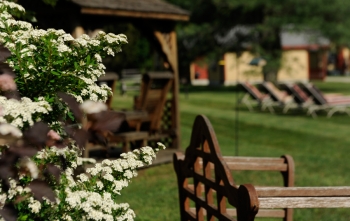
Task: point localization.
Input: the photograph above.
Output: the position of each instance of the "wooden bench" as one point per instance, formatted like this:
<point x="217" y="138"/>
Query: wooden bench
<point x="130" y="80"/>
<point x="204" y="177"/>
<point x="145" y="119"/>
<point x="207" y="190"/>
<point x="149" y="105"/>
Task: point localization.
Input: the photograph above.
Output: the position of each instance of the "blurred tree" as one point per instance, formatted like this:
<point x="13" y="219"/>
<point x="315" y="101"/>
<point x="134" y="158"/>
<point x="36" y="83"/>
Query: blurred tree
<point x="217" y="26"/>
<point x="137" y="54"/>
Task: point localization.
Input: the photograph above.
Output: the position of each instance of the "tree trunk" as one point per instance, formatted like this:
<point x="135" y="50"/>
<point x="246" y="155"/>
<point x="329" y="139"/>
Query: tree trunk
<point x="272" y="51"/>
<point x="270" y="76"/>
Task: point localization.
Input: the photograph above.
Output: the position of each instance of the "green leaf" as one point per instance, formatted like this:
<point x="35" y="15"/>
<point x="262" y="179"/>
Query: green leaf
<point x="23" y="218"/>
<point x="55" y="73"/>
<point x="76" y="65"/>
<point x="58" y="62"/>
<point x="70" y="115"/>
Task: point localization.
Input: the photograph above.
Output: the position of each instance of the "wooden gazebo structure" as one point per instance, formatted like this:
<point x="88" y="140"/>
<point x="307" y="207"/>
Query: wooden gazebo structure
<point x="155" y="18"/>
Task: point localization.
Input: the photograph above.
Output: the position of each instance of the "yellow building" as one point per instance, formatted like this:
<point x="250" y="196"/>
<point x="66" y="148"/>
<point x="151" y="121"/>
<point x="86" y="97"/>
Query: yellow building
<point x="294" y="67"/>
<point x="302" y="60"/>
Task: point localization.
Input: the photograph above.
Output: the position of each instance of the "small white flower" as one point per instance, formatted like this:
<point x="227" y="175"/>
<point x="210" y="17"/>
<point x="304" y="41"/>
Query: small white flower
<point x="91" y="107"/>
<point x="34" y="205"/>
<point x="7" y="129"/>
<point x="31" y="166"/>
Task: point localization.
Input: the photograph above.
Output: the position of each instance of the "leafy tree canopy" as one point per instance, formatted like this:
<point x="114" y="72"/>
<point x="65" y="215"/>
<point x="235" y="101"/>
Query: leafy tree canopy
<point x="212" y="20"/>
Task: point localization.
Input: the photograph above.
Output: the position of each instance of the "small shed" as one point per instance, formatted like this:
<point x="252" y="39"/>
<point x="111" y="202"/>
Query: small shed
<point x="155" y="18"/>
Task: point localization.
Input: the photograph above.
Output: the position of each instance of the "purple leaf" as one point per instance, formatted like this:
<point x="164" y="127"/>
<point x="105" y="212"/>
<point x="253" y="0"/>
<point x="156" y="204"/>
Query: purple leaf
<point x="37" y="134"/>
<point x="80" y="136"/>
<point x="72" y="104"/>
<point x="8" y="213"/>
<point x="41" y="189"/>
<point x="107" y="121"/>
<point x="54" y="170"/>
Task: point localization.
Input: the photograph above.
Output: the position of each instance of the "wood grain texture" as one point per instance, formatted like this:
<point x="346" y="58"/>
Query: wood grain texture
<point x="303" y="191"/>
<point x="304" y="202"/>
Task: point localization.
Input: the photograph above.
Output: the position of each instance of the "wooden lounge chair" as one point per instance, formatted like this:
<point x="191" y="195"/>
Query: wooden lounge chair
<point x="205" y="183"/>
<point x="331" y="104"/>
<point x="253" y="96"/>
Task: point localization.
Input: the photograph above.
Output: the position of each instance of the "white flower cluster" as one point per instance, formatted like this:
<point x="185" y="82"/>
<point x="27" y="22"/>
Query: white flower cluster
<point x="91" y="107"/>
<point x="8" y="129"/>
<point x="97" y="206"/>
<point x="3" y="197"/>
<point x="34" y="205"/>
<point x="16" y="190"/>
<point x="46" y="54"/>
<point x="10" y="5"/>
<point x="96" y="198"/>
<point x="18" y="113"/>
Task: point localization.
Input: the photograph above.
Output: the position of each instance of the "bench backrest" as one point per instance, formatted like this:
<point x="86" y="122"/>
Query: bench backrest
<point x="130" y="74"/>
<point x="155" y="87"/>
<point x="130" y="80"/>
<point x="205" y="183"/>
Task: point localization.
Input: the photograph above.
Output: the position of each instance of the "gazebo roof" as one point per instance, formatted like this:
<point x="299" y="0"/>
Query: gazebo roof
<point x="152" y="9"/>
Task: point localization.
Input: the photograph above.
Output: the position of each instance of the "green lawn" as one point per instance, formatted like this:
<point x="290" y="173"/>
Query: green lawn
<point x="320" y="148"/>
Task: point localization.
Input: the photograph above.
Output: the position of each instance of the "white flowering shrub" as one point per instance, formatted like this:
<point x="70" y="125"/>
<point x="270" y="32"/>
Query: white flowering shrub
<point x="42" y="182"/>
<point x="88" y="196"/>
<point x="39" y="178"/>
<point x="49" y="61"/>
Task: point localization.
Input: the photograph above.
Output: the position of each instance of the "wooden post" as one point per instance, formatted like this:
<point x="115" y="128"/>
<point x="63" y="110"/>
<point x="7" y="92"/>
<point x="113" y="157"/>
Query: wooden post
<point x="169" y="47"/>
<point x="78" y="31"/>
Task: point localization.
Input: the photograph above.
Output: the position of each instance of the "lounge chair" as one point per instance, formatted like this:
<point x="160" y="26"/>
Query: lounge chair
<point x="254" y="96"/>
<point x="282" y="97"/>
<point x="302" y="99"/>
<point x="331" y="104"/>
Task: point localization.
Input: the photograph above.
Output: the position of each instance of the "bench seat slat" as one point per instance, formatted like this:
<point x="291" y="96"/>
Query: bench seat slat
<point x="276" y="213"/>
<point x="257" y="166"/>
<point x="304" y="202"/>
<point x="302" y="191"/>
<point x="254" y="159"/>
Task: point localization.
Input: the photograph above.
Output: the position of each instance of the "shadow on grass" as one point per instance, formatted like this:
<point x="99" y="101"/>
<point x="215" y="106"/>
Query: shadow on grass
<point x="209" y="88"/>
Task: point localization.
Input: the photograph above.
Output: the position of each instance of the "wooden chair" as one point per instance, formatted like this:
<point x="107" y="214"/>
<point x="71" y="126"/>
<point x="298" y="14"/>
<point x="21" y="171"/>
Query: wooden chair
<point x="145" y="119"/>
<point x="205" y="183"/>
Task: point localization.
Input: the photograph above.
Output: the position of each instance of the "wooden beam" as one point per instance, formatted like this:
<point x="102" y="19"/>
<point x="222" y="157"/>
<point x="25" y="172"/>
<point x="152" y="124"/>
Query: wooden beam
<point x="168" y="44"/>
<point x="134" y="14"/>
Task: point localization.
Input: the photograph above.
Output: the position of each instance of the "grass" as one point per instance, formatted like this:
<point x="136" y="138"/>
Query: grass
<point x="320" y="148"/>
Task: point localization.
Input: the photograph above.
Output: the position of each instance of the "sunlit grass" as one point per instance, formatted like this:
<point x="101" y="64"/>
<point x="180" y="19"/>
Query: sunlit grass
<point x="320" y="148"/>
